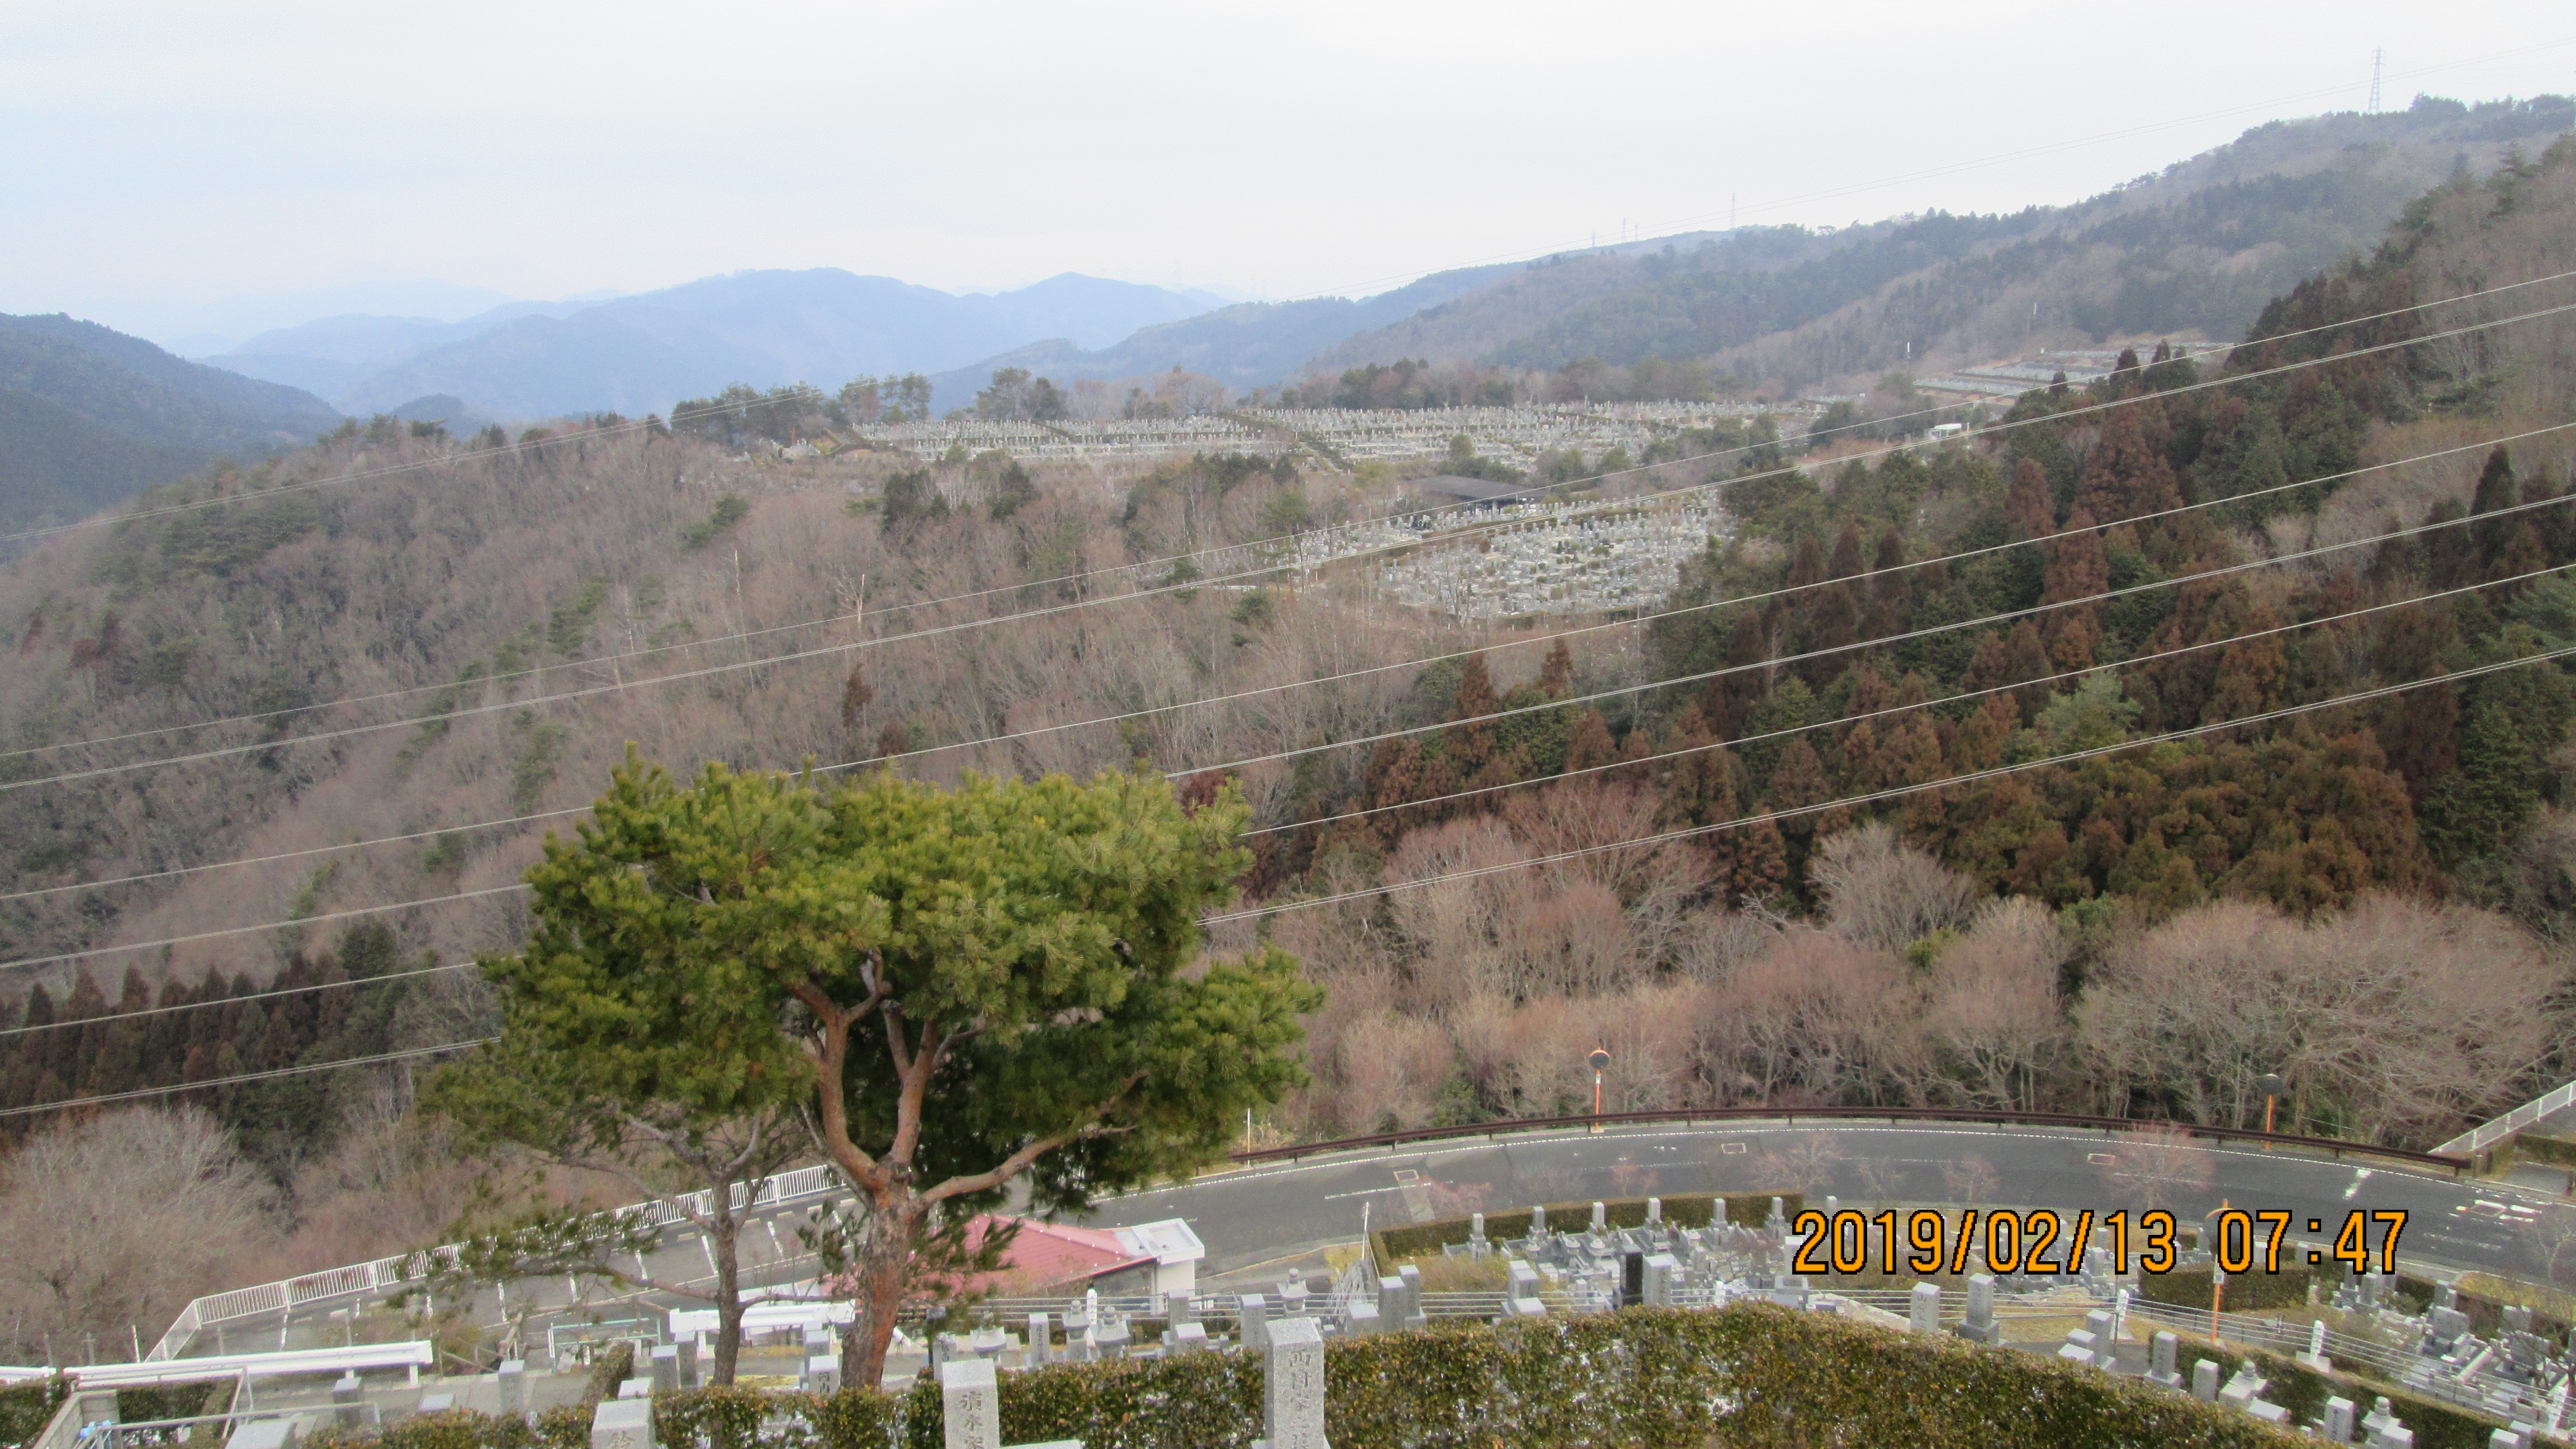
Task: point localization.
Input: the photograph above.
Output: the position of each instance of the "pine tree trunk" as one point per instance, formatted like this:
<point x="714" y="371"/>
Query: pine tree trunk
<point x="726" y="1241"/>
<point x="884" y="1273"/>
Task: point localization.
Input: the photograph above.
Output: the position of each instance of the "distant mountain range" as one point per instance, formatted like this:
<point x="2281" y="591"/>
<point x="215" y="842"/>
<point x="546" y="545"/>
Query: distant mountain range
<point x="90" y="417"/>
<point x="638" y="354"/>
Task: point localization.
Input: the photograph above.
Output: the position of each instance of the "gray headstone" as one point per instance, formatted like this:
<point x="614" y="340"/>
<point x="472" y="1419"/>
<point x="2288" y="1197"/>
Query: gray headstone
<point x="635" y="1389"/>
<point x="2204" y="1381"/>
<point x="1717" y="1213"/>
<point x="2337" y="1426"/>
<point x="666" y="1368"/>
<point x="1655" y="1211"/>
<point x="1923" y="1308"/>
<point x="2161" y="1350"/>
<point x="1663" y="1273"/>
<point x="622" y="1424"/>
<point x="1252" y="1313"/>
<point x="348" y="1401"/>
<point x="1292" y="1386"/>
<point x="1538" y="1221"/>
<point x="513" y="1380"/>
<point x="689" y="1363"/>
<point x="971" y="1404"/>
<point x="1041" y="1341"/>
<point x="823" y="1374"/>
<point x="1600" y="1216"/>
<point x="1414" y="1317"/>
<point x="435" y="1403"/>
<point x="1190" y="1337"/>
<point x="263" y="1434"/>
<point x="1362" y="1317"/>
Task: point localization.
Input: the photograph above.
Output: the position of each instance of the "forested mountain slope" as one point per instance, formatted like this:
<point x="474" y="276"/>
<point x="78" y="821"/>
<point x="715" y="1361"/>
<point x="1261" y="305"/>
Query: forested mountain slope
<point x="2370" y="897"/>
<point x="2196" y="249"/>
<point x="90" y="417"/>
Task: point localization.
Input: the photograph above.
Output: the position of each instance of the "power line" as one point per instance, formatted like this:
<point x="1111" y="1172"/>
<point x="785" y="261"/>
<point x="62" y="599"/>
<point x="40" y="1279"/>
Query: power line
<point x="1894" y="793"/>
<point x="822" y="651"/>
<point x="1640" y="762"/>
<point x="1137" y="568"/>
<point x="230" y="1000"/>
<point x="1412" y="730"/>
<point x="377" y="1059"/>
<point x="2006" y="617"/>
<point x="1642" y="842"/>
<point x="1134" y="568"/>
<point x="196" y="936"/>
<point x="1035" y="731"/>
<point x="1837" y="722"/>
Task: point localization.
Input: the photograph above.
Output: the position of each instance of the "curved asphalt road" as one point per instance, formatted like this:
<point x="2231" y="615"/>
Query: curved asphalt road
<point x="1274" y="1213"/>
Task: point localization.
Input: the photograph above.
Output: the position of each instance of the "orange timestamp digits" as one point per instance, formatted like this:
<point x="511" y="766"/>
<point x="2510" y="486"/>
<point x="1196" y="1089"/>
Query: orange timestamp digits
<point x="2042" y="1240"/>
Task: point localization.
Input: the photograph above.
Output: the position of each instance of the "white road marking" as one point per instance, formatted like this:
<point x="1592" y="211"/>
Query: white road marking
<point x="2360" y="1175"/>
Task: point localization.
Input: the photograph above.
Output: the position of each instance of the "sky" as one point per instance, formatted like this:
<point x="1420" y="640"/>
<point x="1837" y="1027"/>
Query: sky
<point x="165" y="157"/>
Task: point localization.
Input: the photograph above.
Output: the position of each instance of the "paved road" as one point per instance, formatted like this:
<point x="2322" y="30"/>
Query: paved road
<point x="1267" y="1213"/>
<point x="1258" y="1221"/>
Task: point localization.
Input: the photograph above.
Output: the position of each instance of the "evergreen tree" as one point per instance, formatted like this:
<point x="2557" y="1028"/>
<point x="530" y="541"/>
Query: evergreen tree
<point x="2514" y="721"/>
<point x="1761" y="859"/>
<point x="1472" y="746"/>
<point x="1591" y="747"/>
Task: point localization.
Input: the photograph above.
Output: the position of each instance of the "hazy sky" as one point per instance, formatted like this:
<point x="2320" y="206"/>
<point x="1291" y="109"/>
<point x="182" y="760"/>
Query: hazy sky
<point x="160" y="155"/>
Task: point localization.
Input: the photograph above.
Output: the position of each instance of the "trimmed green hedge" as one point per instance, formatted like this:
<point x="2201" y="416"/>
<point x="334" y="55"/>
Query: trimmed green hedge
<point x="24" y="1408"/>
<point x="1691" y="1210"/>
<point x="2304" y="1391"/>
<point x="566" y="1426"/>
<point x="2189" y="1288"/>
<point x="2550" y="1151"/>
<point x="1749" y="1375"/>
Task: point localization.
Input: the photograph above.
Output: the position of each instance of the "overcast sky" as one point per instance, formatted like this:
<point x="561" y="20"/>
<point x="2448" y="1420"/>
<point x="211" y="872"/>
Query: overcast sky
<point x="162" y="155"/>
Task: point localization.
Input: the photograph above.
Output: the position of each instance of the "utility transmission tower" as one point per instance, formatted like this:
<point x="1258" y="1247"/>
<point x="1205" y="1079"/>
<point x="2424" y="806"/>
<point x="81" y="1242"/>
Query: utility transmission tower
<point x="2376" y="57"/>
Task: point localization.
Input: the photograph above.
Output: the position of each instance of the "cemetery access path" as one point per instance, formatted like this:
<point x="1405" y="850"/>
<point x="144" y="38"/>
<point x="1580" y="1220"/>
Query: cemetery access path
<point x="1257" y="1221"/>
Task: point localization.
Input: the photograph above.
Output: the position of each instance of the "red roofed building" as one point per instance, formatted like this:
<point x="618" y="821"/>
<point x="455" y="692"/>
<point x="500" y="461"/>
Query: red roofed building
<point x="1051" y="1260"/>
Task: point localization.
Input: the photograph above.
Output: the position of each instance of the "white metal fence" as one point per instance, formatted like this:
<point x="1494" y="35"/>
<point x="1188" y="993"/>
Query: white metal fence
<point x="2487" y="1134"/>
<point x="370" y="1280"/>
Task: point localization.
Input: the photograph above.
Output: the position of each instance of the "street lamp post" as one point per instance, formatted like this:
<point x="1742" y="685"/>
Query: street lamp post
<point x="1600" y="1063"/>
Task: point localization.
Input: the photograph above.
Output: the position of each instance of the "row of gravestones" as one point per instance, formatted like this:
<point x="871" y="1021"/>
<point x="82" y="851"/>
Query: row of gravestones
<point x="2095" y="1346"/>
<point x="1292" y="1399"/>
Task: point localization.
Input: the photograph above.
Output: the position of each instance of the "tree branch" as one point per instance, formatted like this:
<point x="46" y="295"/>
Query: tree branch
<point x="1020" y="1161"/>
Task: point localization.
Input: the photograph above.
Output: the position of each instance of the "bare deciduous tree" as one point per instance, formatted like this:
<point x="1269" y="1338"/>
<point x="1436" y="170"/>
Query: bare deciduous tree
<point x="110" y="1225"/>
<point x="1885" y="894"/>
